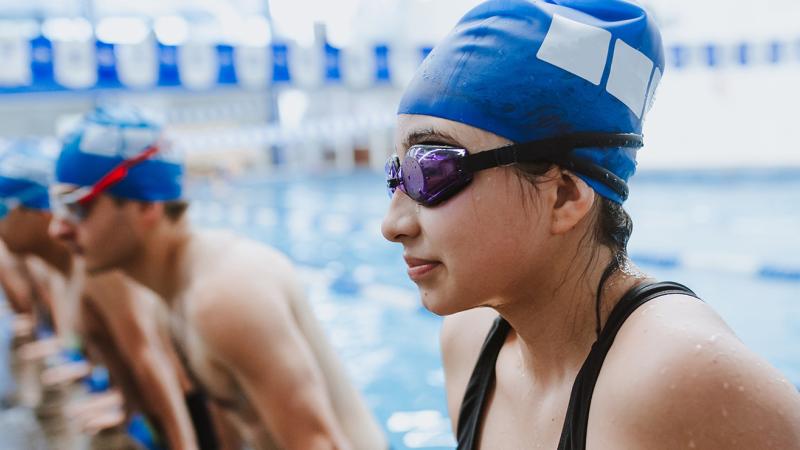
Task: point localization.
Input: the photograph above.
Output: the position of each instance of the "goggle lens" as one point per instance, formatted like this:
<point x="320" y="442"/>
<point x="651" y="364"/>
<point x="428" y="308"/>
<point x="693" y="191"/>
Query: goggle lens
<point x="393" y="177"/>
<point x="70" y="211"/>
<point x="429" y="174"/>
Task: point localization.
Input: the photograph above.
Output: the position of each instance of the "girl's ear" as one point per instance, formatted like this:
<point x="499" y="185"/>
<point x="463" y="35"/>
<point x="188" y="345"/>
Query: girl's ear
<point x="574" y="201"/>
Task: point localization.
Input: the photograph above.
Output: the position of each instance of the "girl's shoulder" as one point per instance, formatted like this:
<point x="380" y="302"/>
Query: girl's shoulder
<point x="681" y="377"/>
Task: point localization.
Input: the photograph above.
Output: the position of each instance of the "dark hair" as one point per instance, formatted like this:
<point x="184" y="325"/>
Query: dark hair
<point x="611" y="227"/>
<point x="173" y="209"/>
<point x="613" y="230"/>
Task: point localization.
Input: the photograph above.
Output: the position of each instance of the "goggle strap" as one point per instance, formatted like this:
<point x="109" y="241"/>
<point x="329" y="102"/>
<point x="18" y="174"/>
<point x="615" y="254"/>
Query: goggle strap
<point x="117" y="174"/>
<point x="595" y="172"/>
<point x="558" y="150"/>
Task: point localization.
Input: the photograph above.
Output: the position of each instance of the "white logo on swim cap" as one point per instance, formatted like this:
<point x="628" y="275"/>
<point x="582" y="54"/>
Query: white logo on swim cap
<point x="582" y="50"/>
<point x="630" y="76"/>
<point x="34" y="163"/>
<point x="126" y="142"/>
<point x="576" y="47"/>
<point x="99" y="140"/>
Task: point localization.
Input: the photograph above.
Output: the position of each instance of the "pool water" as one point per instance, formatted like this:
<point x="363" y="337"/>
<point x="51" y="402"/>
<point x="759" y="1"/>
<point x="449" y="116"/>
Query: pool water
<point x="729" y="236"/>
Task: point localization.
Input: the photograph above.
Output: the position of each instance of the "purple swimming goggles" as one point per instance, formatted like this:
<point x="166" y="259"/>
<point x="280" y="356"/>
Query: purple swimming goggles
<point x="431" y="174"/>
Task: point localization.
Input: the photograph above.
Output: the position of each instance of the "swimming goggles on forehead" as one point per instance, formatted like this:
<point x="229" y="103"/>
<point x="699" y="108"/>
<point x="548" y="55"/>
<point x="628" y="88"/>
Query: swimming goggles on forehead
<point x="76" y="205"/>
<point x="431" y="174"/>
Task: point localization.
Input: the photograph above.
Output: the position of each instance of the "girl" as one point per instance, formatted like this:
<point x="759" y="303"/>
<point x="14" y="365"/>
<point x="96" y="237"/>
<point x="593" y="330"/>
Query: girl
<point x="516" y="139"/>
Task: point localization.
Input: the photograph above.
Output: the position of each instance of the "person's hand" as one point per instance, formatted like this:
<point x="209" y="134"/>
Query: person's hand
<point x="65" y="373"/>
<point x="97" y="412"/>
<point x="40" y="349"/>
<point x="22" y="325"/>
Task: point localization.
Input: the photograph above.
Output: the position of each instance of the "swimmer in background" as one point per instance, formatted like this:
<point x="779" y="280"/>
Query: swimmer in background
<point x="34" y="268"/>
<point x="115" y="319"/>
<point x="15" y="283"/>
<point x="515" y="142"/>
<point x="22" y="298"/>
<point x="240" y="317"/>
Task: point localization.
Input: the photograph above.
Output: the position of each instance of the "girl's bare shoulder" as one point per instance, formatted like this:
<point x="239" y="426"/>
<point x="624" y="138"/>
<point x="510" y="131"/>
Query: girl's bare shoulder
<point x="680" y="376"/>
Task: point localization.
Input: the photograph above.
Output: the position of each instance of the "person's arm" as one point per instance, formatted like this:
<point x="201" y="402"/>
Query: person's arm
<point x="251" y="331"/>
<point x="99" y="348"/>
<point x="16" y="287"/>
<point x="133" y="329"/>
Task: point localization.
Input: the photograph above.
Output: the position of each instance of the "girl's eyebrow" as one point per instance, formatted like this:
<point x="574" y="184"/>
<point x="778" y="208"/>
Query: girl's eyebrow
<point x="428" y="135"/>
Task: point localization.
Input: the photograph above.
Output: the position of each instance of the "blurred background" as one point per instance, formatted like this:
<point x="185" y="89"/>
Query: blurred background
<point x="285" y="110"/>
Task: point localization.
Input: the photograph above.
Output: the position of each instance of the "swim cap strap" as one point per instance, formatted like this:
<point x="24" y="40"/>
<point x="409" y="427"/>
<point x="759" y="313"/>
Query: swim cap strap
<point x="558" y="150"/>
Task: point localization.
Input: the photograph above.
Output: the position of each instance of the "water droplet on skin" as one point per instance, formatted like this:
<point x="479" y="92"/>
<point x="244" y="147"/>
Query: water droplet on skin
<point x="698" y="347"/>
<point x="713" y="338"/>
<point x="725" y="385"/>
<point x="741" y="388"/>
<point x="692" y="444"/>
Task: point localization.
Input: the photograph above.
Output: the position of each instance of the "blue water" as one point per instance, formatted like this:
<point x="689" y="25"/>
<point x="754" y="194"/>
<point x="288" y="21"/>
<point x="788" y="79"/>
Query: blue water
<point x="712" y="232"/>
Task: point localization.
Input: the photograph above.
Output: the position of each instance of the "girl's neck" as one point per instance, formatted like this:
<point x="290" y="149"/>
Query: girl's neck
<point x="556" y="323"/>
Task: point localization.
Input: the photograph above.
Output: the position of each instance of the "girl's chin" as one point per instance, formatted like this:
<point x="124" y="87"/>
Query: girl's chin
<point x="438" y="304"/>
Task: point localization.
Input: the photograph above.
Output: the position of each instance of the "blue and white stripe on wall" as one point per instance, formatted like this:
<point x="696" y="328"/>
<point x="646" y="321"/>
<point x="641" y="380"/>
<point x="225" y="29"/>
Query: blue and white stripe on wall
<point x="41" y="64"/>
<point x="715" y="55"/>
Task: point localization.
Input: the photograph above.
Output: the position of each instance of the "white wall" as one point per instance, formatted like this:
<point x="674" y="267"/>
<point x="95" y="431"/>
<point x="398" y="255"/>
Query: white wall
<point x="731" y="116"/>
<point x="728" y="118"/>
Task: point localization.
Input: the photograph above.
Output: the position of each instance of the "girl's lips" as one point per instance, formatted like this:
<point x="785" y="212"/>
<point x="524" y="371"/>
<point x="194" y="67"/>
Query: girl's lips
<point x="420" y="268"/>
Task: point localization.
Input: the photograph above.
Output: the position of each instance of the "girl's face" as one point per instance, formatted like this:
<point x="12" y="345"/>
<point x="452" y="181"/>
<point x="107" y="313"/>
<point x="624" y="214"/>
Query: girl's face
<point x="488" y="242"/>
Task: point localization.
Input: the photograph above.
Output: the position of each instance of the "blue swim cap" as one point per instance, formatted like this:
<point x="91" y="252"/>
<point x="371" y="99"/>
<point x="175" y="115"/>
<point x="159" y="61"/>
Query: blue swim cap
<point x="531" y="70"/>
<point x="106" y="137"/>
<point x="26" y="170"/>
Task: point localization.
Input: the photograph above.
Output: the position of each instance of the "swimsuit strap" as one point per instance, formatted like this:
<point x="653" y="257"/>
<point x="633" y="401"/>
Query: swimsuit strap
<point x="481" y="382"/>
<point x="573" y="434"/>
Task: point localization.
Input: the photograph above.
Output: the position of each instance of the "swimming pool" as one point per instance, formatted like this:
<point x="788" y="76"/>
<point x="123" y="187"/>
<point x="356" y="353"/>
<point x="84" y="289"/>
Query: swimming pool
<point x="730" y="236"/>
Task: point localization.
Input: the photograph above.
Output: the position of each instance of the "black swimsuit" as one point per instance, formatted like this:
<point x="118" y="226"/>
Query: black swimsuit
<point x="204" y="430"/>
<point x="197" y="404"/>
<point x="573" y="434"/>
